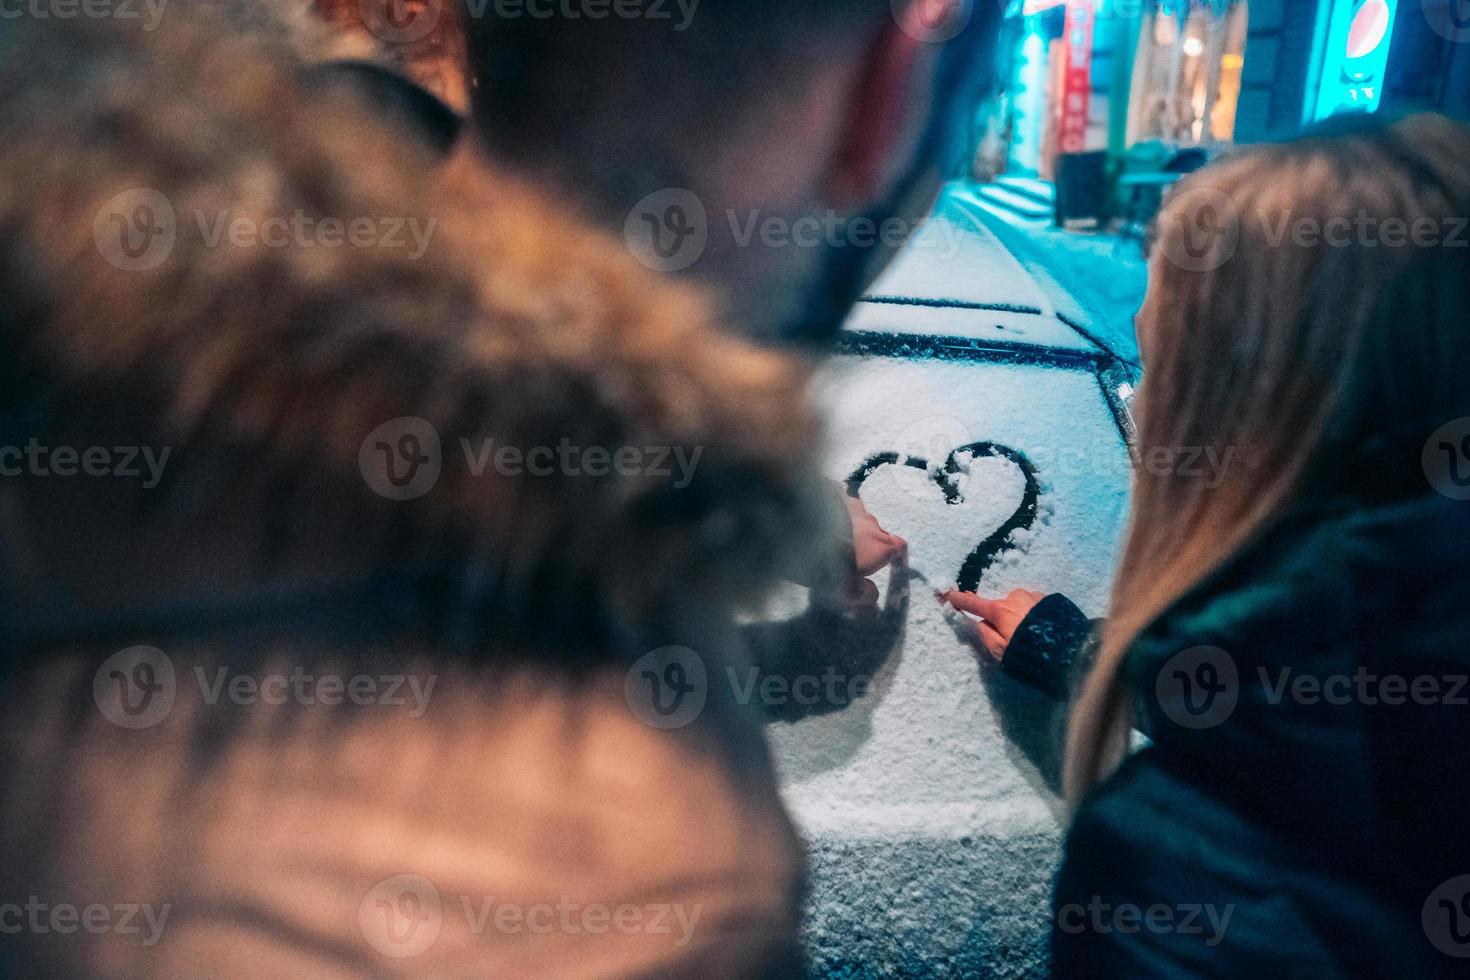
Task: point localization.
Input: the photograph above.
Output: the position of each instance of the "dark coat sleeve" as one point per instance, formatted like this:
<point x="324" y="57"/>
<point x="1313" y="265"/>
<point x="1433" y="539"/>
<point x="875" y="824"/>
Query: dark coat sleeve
<point x="1052" y="647"/>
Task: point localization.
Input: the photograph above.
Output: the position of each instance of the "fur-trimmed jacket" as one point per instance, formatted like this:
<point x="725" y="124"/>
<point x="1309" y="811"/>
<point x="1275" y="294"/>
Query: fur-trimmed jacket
<point x="369" y="552"/>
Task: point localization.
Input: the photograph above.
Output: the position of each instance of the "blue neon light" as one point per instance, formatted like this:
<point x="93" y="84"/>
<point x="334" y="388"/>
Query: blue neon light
<point x="1359" y="38"/>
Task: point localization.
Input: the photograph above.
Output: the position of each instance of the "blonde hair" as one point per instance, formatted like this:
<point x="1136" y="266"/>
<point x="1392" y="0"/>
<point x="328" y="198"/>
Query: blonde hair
<point x="1296" y="352"/>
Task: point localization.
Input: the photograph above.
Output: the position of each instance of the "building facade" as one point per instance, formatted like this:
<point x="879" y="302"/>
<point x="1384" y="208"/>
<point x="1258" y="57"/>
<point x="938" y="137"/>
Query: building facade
<point x="1131" y="78"/>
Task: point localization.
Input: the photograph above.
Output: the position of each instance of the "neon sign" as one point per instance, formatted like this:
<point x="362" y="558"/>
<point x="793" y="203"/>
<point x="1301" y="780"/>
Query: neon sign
<point x="1077" y="80"/>
<point x="1359" y="36"/>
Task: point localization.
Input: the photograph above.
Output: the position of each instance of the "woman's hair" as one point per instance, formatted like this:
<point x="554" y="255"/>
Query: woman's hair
<point x="1311" y="317"/>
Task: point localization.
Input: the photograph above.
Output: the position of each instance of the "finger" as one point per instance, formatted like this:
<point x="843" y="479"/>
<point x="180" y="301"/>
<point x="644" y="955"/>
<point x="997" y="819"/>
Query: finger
<point x="994" y="643"/>
<point x="969" y="602"/>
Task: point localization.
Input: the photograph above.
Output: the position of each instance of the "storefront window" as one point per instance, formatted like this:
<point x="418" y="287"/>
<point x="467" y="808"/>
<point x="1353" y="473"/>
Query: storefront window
<point x="1186" y="83"/>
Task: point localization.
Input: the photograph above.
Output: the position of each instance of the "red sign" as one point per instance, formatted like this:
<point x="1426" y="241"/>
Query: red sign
<point x="1077" y="77"/>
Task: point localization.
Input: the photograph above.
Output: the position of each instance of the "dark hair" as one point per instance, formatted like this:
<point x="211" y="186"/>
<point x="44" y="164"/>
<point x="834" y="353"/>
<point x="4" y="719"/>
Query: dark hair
<point x="548" y="89"/>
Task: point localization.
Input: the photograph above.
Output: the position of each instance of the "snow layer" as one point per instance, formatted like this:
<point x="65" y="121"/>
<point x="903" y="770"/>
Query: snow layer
<point x="933" y="833"/>
<point x="956" y="257"/>
<point x="1095" y="279"/>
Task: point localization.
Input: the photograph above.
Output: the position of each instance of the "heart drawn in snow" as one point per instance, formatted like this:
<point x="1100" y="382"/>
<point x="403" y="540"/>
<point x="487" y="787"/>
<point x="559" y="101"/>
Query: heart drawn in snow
<point x="947" y="478"/>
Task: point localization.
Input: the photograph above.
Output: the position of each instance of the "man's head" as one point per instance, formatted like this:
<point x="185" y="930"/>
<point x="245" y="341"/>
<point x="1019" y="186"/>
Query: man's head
<point x="761" y="145"/>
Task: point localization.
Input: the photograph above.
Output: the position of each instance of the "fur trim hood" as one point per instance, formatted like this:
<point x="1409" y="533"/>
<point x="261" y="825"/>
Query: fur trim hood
<point x="349" y="358"/>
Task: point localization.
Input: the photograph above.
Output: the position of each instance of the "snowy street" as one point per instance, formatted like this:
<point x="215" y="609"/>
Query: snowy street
<point x="977" y="418"/>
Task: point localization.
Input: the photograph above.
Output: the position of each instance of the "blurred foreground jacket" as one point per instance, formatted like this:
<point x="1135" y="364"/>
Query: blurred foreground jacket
<point x="301" y="676"/>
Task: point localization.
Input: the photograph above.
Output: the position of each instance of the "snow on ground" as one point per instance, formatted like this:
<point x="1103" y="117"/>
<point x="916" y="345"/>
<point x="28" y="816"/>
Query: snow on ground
<point x="1096" y="279"/>
<point x="934" y="836"/>
<point x="933" y="830"/>
<point x="956" y="257"/>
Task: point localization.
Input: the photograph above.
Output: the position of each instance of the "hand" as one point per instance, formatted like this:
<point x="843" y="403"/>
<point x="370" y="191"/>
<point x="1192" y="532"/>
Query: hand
<point x="873" y="547"/>
<point x="999" y="618"/>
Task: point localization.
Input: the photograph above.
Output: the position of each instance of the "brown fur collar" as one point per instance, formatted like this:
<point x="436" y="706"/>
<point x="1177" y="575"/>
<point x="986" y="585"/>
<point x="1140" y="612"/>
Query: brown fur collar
<point x="265" y="369"/>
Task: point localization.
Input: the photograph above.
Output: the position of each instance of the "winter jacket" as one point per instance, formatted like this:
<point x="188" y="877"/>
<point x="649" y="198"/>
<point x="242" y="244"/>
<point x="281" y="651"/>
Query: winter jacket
<point x="1301" y="807"/>
<point x="324" y="699"/>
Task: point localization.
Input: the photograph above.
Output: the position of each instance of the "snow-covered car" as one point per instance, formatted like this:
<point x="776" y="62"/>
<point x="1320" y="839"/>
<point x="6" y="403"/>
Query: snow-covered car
<point x="978" y="414"/>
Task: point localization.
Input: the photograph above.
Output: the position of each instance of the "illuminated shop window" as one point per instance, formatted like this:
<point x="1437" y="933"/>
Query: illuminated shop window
<point x="1186" y="82"/>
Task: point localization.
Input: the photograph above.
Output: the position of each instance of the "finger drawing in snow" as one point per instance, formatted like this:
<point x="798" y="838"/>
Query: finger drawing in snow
<point x="946" y="476"/>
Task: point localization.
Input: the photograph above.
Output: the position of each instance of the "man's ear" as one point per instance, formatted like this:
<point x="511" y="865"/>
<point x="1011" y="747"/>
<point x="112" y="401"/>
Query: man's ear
<point x="881" y="112"/>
